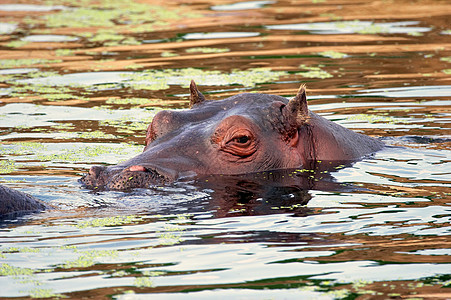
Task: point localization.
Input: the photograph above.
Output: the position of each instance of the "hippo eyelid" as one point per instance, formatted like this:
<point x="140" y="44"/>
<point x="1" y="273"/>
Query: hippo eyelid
<point x="241" y="143"/>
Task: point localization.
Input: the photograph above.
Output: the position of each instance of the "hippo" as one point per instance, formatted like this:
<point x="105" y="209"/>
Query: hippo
<point x="14" y="203"/>
<point x="245" y="133"/>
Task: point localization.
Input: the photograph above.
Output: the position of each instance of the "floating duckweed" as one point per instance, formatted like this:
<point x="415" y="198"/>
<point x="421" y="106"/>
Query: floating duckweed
<point x="21" y="250"/>
<point x="23" y="62"/>
<point x="132" y="101"/>
<point x="168" y="54"/>
<point x="333" y="54"/>
<point x="143" y="282"/>
<point x="207" y="50"/>
<point x="160" y="79"/>
<point x="8" y="270"/>
<point x="109" y="221"/>
<point x="16" y="44"/>
<point x="128" y="124"/>
<point x="64" y="52"/>
<point x="60" y="97"/>
<point x="331" y="16"/>
<point x="82" y="17"/>
<point x="314" y="72"/>
<point x="47" y="92"/>
<point x="87" y="258"/>
<point x="153" y="273"/>
<point x="134" y="66"/>
<point x="360" y="283"/>
<point x="7" y="166"/>
<point x="22" y="148"/>
<point x="120" y="273"/>
<point x="43" y="293"/>
<point x="361" y="28"/>
<point x="107" y="35"/>
<point x="339" y="294"/>
<point x="85" y="153"/>
<point x="372" y="118"/>
<point x="63" y="126"/>
<point x="169" y="239"/>
<point x="109" y="13"/>
<point x="130" y="41"/>
<point x="97" y="134"/>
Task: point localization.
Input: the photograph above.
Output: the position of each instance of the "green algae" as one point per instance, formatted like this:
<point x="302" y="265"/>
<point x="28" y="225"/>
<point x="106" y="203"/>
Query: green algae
<point x="108" y="13"/>
<point x="314" y="72"/>
<point x="44" y="91"/>
<point x="63" y="126"/>
<point x="168" y="54"/>
<point x="26" y="62"/>
<point x="108" y="37"/>
<point x="7" y="166"/>
<point x="8" y="270"/>
<point x="16" y="44"/>
<point x="109" y="221"/>
<point x="128" y="124"/>
<point x="88" y="258"/>
<point x="361" y="28"/>
<point x="129" y="101"/>
<point x="134" y="66"/>
<point x="96" y="134"/>
<point x="143" y="282"/>
<point x="447" y="71"/>
<point x="43" y="293"/>
<point x="161" y="79"/>
<point x="372" y="118"/>
<point x="170" y="238"/>
<point x="207" y="50"/>
<point x="153" y="273"/>
<point x="64" y="52"/>
<point x="22" y="148"/>
<point x="83" y="154"/>
<point x="21" y="250"/>
<point x="333" y="54"/>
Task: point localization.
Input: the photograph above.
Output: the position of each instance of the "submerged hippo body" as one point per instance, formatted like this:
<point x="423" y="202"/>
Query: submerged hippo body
<point x="14" y="203"/>
<point x="241" y="134"/>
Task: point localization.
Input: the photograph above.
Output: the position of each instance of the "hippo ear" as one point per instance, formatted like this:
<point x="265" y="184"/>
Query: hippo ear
<point x="296" y="109"/>
<point x="195" y="96"/>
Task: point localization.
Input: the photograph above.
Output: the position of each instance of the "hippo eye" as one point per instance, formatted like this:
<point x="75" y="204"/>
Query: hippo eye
<point x="242" y="139"/>
<point x="240" y="143"/>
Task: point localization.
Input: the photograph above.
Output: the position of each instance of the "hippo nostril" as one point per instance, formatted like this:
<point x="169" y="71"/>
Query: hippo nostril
<point x="137" y="168"/>
<point x="95" y="171"/>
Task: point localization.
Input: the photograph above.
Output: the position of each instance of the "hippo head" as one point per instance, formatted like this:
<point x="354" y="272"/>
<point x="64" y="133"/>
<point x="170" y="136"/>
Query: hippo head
<point x="241" y="134"/>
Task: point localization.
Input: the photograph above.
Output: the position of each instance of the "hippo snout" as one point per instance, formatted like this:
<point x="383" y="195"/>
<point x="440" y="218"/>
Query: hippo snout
<point x="114" y="178"/>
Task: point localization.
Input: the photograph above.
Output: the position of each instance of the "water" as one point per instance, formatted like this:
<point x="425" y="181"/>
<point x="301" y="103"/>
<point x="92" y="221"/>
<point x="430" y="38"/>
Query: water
<point x="78" y="90"/>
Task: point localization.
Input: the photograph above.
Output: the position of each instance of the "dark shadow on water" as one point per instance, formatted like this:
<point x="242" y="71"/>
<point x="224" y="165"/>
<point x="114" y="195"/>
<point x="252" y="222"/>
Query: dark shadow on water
<point x="264" y="193"/>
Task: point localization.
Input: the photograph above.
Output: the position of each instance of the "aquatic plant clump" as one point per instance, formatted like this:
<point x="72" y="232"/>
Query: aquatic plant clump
<point x="25" y="62"/>
<point x="161" y="79"/>
<point x="207" y="50"/>
<point x="333" y="54"/>
<point x="110" y="13"/>
<point x="314" y="72"/>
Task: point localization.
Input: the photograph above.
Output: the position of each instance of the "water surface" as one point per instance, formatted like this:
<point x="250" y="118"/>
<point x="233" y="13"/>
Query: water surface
<point x="80" y="84"/>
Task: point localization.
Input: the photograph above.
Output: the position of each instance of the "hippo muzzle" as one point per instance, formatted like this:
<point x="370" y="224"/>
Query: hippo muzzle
<point x="119" y="178"/>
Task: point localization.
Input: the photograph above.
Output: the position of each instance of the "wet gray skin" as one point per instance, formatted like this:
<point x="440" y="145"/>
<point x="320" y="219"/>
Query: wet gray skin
<point x="245" y="133"/>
